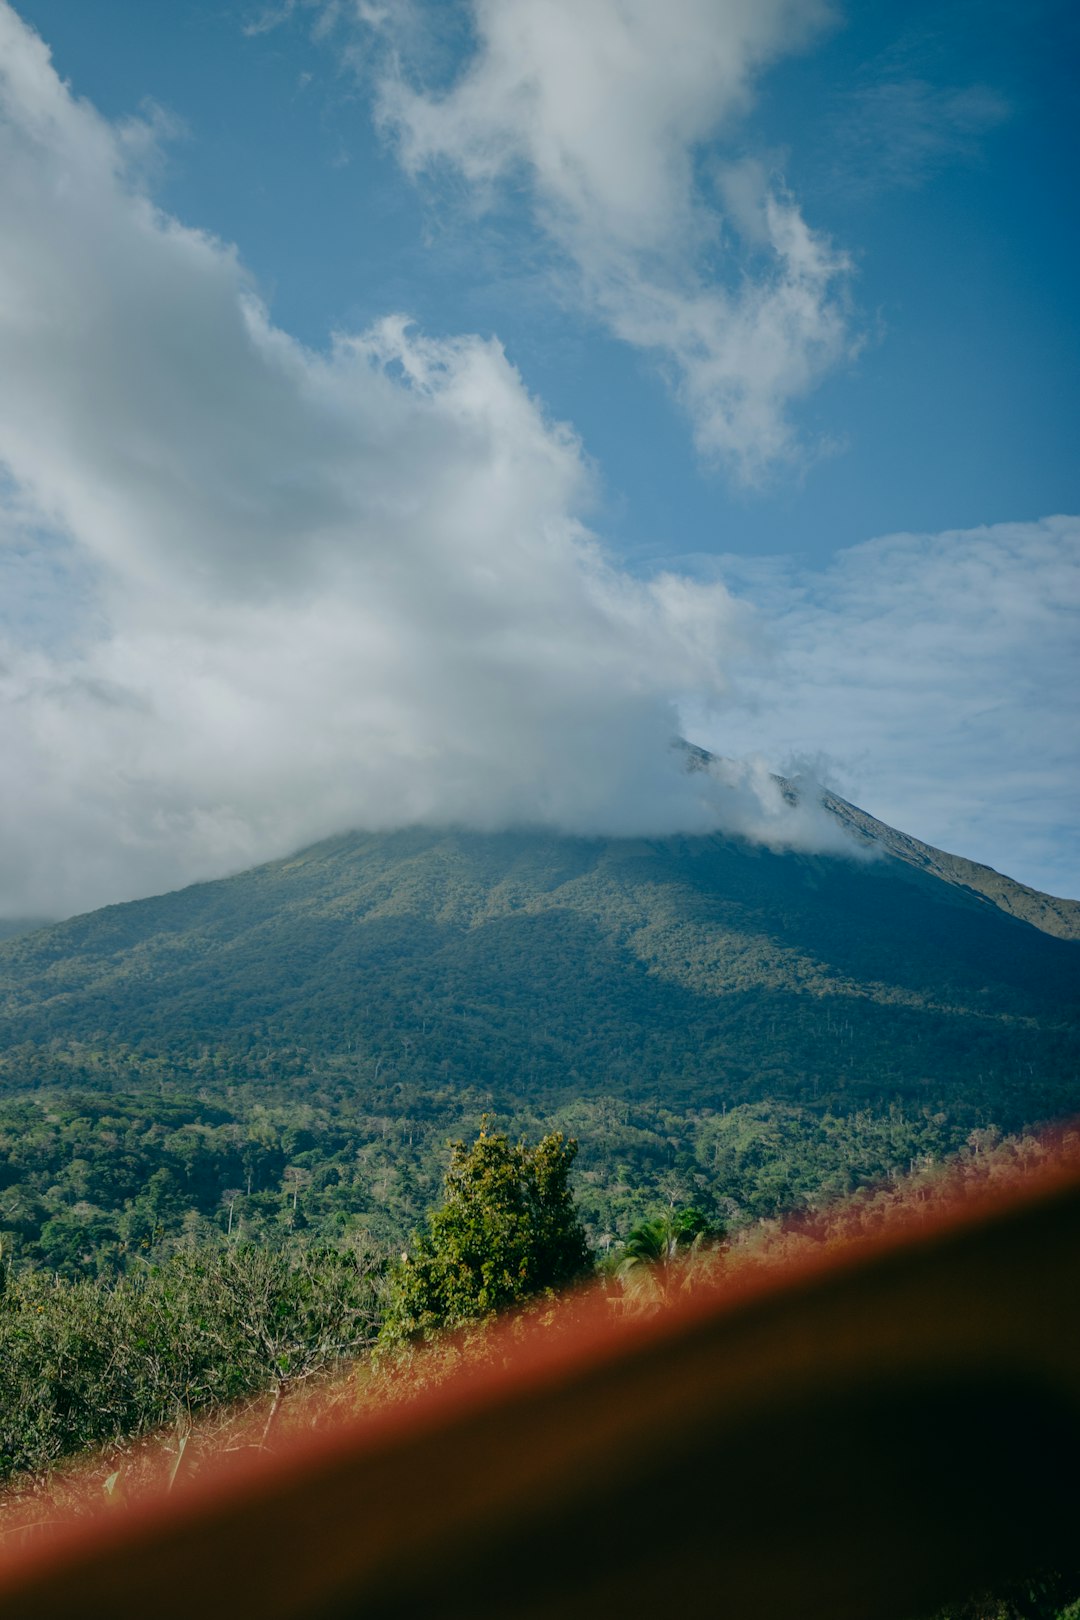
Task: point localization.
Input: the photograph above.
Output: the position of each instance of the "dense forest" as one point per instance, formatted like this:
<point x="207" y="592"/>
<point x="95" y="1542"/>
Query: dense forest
<point x="96" y="1183"/>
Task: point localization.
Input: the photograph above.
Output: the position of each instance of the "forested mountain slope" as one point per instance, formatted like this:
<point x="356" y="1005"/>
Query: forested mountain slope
<point x="700" y="971"/>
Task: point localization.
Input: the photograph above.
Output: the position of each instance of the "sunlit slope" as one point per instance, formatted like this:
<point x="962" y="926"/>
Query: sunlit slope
<point x="706" y="970"/>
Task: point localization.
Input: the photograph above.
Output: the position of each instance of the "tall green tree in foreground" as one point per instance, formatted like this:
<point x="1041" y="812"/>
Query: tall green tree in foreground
<point x="507" y="1232"/>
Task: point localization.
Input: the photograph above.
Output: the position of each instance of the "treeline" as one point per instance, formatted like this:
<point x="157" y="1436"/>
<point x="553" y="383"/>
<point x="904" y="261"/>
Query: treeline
<point x="99" y="1183"/>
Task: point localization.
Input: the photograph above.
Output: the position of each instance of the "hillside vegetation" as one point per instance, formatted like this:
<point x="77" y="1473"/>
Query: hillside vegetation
<point x="697" y="973"/>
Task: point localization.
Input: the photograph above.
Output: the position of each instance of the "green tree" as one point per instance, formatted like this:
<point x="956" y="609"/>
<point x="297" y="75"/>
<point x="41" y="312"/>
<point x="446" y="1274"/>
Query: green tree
<point x="507" y="1232"/>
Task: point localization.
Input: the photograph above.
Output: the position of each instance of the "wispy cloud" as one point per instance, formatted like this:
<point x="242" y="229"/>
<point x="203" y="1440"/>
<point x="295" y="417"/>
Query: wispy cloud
<point x="939" y="673"/>
<point x="899" y="130"/>
<point x="603" y="113"/>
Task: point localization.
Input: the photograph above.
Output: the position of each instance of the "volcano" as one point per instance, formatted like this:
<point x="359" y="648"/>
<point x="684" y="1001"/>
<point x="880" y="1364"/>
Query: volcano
<point x="703" y="971"/>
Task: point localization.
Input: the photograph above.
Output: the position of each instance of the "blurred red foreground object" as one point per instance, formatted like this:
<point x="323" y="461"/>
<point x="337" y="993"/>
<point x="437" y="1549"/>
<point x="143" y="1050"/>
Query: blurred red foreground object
<point x="861" y="1437"/>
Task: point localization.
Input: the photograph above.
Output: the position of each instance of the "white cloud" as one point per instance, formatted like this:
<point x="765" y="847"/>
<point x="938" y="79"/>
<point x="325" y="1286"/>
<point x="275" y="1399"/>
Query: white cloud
<point x="939" y="672"/>
<point x="251" y="594"/>
<point x="255" y="594"/>
<point x="604" y="110"/>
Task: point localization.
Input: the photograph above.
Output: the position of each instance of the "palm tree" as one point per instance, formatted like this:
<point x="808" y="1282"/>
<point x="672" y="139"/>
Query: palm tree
<point x="655" y="1250"/>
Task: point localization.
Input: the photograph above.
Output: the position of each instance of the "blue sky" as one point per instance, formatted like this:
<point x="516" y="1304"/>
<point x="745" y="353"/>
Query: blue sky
<point x="771" y="308"/>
